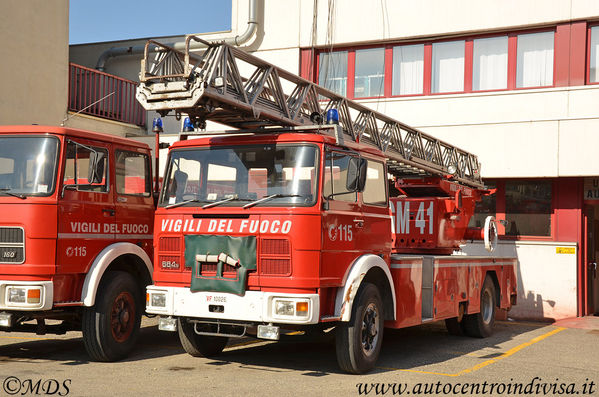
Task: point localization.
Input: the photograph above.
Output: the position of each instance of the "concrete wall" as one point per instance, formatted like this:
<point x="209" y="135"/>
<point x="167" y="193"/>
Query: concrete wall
<point x="34" y="66"/>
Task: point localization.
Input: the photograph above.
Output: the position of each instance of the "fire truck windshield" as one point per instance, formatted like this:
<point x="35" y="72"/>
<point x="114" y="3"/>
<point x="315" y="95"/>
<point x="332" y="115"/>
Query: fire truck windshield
<point x="238" y="175"/>
<point x="28" y="165"/>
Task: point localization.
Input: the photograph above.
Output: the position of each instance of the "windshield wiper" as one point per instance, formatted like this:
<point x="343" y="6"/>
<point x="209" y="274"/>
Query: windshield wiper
<point x="209" y="205"/>
<point x="7" y="192"/>
<point x="268" y="198"/>
<point x="232" y="198"/>
<point x="195" y="200"/>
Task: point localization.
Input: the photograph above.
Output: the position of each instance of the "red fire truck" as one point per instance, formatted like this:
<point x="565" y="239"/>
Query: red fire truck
<point x="290" y="223"/>
<point x="75" y="235"/>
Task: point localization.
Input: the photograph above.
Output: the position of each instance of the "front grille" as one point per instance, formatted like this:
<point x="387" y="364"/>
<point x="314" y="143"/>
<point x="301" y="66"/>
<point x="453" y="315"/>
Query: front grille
<point x="275" y="247"/>
<point x="169" y="244"/>
<point x="275" y="257"/>
<point x="12" y="245"/>
<point x="279" y="267"/>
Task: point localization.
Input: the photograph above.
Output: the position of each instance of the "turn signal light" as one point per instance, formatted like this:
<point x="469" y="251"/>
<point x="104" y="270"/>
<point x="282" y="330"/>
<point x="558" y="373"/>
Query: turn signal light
<point x="301" y="308"/>
<point x="34" y="296"/>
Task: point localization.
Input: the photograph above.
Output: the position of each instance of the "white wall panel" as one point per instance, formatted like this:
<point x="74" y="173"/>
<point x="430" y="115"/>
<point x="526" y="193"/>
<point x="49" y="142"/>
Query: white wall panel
<point x="579" y="147"/>
<point x="508" y="150"/>
<point x="546" y="279"/>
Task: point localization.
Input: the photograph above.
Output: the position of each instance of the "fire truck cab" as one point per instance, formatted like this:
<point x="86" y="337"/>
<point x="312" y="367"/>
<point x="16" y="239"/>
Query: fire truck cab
<point x="76" y="230"/>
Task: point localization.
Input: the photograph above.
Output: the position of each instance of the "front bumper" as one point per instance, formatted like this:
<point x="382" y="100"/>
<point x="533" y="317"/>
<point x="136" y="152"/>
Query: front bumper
<point x="36" y="295"/>
<point x="253" y="306"/>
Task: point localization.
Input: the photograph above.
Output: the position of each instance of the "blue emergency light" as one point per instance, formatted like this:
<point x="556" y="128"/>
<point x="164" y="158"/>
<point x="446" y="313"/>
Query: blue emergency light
<point x="187" y="125"/>
<point x="157" y="125"/>
<point x="332" y="116"/>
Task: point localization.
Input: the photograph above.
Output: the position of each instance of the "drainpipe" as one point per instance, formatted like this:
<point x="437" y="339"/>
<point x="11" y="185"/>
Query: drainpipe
<point x="252" y="27"/>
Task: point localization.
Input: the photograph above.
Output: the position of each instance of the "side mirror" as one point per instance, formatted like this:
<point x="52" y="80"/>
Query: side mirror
<point x="96" y="167"/>
<point x="356" y="174"/>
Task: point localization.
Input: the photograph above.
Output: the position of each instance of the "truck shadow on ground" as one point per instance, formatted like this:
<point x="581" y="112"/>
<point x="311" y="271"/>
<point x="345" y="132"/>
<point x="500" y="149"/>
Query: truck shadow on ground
<point x="404" y="349"/>
<point x="70" y="349"/>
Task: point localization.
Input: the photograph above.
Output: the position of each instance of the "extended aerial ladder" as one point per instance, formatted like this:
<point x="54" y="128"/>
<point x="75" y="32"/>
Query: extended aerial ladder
<point x="212" y="86"/>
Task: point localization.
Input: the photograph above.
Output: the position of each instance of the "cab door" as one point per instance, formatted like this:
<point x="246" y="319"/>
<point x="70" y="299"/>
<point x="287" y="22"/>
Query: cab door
<point x="342" y="221"/>
<point x="376" y="230"/>
<point x="134" y="202"/>
<point x="86" y="211"/>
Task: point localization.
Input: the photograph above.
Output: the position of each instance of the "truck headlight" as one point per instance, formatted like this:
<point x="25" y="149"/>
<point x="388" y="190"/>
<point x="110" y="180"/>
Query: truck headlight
<point x="28" y="295"/>
<point x="291" y="308"/>
<point x="17" y="295"/>
<point x="284" y="308"/>
<point x="158" y="300"/>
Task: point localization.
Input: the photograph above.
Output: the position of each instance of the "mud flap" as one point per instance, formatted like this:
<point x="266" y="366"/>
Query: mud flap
<point x="235" y="255"/>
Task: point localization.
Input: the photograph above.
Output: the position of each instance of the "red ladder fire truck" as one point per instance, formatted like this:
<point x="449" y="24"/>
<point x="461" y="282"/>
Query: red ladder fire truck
<point x="287" y="223"/>
<point x="76" y="230"/>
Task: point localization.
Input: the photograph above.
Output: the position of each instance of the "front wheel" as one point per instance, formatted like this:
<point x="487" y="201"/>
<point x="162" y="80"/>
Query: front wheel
<point x="199" y="345"/>
<point x="481" y="324"/>
<point x="358" y="342"/>
<point x="111" y="327"/>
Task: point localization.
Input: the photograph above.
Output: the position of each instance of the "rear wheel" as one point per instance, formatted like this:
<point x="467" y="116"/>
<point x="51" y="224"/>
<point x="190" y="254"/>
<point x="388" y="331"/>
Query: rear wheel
<point x="358" y="342"/>
<point x="111" y="327"/>
<point x="199" y="345"/>
<point x="481" y="324"/>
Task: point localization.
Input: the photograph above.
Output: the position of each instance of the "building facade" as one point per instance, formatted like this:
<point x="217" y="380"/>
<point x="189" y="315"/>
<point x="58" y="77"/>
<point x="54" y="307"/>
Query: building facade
<point x="514" y="82"/>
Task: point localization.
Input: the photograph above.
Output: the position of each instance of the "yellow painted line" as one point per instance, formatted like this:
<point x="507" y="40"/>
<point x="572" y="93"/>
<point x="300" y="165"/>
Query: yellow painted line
<point x="23" y="337"/>
<point x="488" y="362"/>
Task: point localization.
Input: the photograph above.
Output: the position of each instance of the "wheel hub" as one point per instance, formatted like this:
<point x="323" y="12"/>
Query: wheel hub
<point x="122" y="317"/>
<point x="370" y="324"/>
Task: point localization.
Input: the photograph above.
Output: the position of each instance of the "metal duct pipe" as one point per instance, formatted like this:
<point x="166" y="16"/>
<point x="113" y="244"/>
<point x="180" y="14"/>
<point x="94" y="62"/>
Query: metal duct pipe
<point x="252" y="27"/>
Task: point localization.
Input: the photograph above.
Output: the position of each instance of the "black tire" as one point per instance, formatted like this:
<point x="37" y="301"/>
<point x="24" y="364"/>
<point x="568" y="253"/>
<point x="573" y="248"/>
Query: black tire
<point x="480" y="325"/>
<point x="111" y="327"/>
<point x="454" y="327"/>
<point x="199" y="345"/>
<point x="358" y="342"/>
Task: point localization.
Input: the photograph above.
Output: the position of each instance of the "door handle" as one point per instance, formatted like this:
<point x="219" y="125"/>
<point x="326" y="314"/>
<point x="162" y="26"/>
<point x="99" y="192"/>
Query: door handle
<point x="109" y="211"/>
<point x="359" y="223"/>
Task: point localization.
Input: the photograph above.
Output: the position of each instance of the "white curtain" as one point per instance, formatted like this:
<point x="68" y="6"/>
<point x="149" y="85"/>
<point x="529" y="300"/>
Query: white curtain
<point x="448" y="66"/>
<point x="370" y="73"/>
<point x="535" y="60"/>
<point x="408" y="69"/>
<point x="332" y="71"/>
<point x="489" y="70"/>
<point x="594" y="77"/>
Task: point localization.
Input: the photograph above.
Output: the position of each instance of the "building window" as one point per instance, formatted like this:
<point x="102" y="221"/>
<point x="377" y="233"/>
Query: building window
<point x="594" y="57"/>
<point x="332" y="71"/>
<point x="408" y="69"/>
<point x="489" y="64"/>
<point x="485" y="207"/>
<point x="528" y="208"/>
<point x="535" y="60"/>
<point x="448" y="66"/>
<point x="472" y="64"/>
<point x="370" y="73"/>
<point x="522" y="208"/>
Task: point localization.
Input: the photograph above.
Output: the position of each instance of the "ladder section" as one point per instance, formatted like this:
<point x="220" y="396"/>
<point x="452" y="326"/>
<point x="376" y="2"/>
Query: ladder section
<point x="227" y="85"/>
